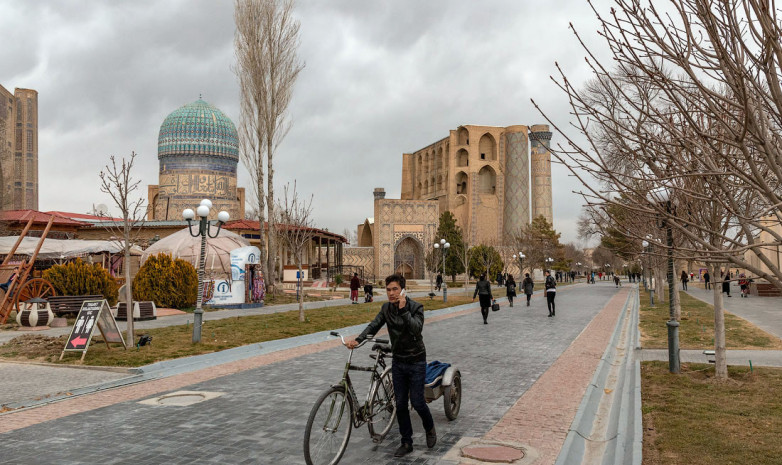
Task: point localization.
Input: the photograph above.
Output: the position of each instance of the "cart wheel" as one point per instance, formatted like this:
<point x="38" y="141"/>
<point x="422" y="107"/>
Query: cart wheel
<point x="452" y="397"/>
<point x="36" y="287"/>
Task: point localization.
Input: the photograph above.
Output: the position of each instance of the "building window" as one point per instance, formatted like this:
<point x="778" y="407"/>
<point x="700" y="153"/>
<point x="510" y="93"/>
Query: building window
<point x="18" y="166"/>
<point x="483" y="156"/>
<point x="29" y="109"/>
<point x="29" y="140"/>
<point x="18" y="109"/>
<point x="18" y="139"/>
<point x="30" y="167"/>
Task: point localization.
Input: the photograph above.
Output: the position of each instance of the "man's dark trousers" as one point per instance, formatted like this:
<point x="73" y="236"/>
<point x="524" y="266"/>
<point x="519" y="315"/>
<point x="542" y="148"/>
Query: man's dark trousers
<point x="409" y="379"/>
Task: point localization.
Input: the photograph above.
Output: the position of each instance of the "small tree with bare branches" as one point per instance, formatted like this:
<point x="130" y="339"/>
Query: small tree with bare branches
<point x="117" y="181"/>
<point x="295" y="229"/>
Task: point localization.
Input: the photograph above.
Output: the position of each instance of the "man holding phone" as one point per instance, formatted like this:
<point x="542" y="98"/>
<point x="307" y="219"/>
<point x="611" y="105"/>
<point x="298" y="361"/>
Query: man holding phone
<point x="405" y="320"/>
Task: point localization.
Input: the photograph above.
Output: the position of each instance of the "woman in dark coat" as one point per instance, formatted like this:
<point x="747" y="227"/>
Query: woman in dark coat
<point x="684" y="279"/>
<point x="510" y="289"/>
<point x="483" y="291"/>
<point x="528" y="287"/>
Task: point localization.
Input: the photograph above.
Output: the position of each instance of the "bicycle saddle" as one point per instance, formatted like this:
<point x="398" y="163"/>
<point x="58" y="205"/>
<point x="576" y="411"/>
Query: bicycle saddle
<point x="385" y="348"/>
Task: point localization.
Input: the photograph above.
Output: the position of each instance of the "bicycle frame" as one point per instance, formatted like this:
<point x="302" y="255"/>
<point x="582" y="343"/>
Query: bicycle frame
<point x="359" y="416"/>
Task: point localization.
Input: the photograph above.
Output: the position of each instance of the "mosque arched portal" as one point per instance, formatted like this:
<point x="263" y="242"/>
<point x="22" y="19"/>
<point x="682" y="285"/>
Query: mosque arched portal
<point x="409" y="258"/>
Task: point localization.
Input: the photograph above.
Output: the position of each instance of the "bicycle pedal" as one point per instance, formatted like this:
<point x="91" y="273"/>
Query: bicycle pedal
<point x="377" y="439"/>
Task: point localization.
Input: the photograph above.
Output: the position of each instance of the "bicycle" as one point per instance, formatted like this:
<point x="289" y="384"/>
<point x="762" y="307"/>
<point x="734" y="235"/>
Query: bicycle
<point x="337" y="410"/>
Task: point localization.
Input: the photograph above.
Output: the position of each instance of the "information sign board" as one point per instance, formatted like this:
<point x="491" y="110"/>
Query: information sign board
<point x="93" y="314"/>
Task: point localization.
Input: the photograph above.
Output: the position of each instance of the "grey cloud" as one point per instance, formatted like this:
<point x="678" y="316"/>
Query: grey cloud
<point x="381" y="78"/>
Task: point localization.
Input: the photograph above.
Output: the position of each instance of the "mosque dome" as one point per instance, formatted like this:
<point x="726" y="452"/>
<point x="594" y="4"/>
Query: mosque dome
<point x="198" y="129"/>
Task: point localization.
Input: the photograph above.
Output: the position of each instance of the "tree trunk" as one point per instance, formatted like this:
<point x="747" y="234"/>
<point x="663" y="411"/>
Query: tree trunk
<point x="302" y="317"/>
<point x="720" y="356"/>
<point x="272" y="257"/>
<point x="264" y="232"/>
<point x="131" y="338"/>
<point x="659" y="283"/>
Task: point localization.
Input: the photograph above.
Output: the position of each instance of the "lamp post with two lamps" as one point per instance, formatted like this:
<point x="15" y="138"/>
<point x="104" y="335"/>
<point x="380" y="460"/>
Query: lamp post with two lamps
<point x="549" y="262"/>
<point x="445" y="245"/>
<point x="204" y="230"/>
<point x="662" y="195"/>
<point x="521" y="258"/>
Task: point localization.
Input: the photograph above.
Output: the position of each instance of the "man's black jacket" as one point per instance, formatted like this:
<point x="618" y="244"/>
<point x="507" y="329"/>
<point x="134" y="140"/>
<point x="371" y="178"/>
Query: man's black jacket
<point x="404" y="329"/>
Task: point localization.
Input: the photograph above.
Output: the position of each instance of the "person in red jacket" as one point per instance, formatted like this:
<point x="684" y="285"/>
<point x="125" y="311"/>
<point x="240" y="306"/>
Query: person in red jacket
<point x="355" y="283"/>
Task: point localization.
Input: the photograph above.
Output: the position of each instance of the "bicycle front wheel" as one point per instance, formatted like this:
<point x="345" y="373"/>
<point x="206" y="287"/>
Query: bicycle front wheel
<point x="328" y="428"/>
<point x="382" y="407"/>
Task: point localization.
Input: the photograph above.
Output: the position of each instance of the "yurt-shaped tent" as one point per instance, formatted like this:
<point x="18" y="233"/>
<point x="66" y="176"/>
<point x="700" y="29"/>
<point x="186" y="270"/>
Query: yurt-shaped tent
<point x="218" y="251"/>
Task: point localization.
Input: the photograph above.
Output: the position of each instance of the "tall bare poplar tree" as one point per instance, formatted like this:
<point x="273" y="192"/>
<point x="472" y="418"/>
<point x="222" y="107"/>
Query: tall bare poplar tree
<point x="116" y="180"/>
<point x="266" y="41"/>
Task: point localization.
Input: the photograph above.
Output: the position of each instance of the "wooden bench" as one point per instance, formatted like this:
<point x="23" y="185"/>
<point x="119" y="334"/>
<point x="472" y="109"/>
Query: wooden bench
<point x="69" y="304"/>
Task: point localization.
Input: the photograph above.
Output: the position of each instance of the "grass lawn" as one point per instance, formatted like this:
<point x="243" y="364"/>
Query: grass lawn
<point x="175" y="341"/>
<point x="692" y="419"/>
<point x="697" y="327"/>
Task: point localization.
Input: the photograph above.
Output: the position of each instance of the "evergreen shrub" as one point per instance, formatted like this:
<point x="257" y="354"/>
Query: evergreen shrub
<point x="80" y="278"/>
<point x="167" y="282"/>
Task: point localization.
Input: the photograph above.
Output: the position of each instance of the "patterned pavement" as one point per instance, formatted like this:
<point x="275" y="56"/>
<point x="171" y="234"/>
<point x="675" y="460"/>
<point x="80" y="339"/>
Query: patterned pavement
<point x="261" y="415"/>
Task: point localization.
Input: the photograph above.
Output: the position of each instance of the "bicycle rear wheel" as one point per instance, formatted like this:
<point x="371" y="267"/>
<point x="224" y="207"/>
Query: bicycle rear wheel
<point x="382" y="407"/>
<point x="328" y="428"/>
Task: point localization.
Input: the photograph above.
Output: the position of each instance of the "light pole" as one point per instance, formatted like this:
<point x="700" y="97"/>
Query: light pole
<point x="445" y="246"/>
<point x="663" y="195"/>
<point x="578" y="264"/>
<point x="521" y="258"/>
<point x="549" y="261"/>
<point x="204" y="230"/>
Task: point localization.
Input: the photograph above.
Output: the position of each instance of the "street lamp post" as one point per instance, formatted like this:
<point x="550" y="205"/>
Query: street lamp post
<point x="204" y="230"/>
<point x="445" y="246"/>
<point x="663" y="195"/>
<point x="549" y="261"/>
<point x="578" y="264"/>
<point x="521" y="258"/>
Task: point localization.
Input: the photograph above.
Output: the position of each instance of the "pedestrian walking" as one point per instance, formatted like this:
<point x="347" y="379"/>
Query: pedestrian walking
<point x="551" y="293"/>
<point x="744" y="285"/>
<point x="405" y="320"/>
<point x="355" y="283"/>
<point x="528" y="286"/>
<point x="483" y="291"/>
<point x="707" y="279"/>
<point x="510" y="288"/>
<point x="438" y="281"/>
<point x="726" y="284"/>
<point x="684" y="279"/>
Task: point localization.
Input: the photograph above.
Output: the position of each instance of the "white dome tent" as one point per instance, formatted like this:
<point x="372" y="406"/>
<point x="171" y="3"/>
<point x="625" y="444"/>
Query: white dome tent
<point x="218" y="250"/>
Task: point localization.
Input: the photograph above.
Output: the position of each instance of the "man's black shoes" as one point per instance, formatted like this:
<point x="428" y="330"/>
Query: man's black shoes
<point x="403" y="450"/>
<point x="431" y="438"/>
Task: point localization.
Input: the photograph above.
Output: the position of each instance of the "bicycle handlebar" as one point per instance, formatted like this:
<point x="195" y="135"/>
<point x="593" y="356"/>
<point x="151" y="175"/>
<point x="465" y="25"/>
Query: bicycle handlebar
<point x="371" y="338"/>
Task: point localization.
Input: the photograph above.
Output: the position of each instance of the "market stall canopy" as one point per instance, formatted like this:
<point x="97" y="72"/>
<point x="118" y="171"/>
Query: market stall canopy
<point x="182" y="245"/>
<point x="62" y="249"/>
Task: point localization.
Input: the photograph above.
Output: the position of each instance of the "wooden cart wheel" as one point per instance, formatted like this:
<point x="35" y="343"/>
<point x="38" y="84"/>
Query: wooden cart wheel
<point x="36" y="287"/>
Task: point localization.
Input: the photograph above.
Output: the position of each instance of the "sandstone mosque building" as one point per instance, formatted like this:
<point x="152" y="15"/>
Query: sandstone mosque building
<point x="198" y="151"/>
<point x="493" y="179"/>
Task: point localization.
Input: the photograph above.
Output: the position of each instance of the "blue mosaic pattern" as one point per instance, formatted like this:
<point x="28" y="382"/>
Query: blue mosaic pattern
<point x="198" y="128"/>
<point x="516" y="183"/>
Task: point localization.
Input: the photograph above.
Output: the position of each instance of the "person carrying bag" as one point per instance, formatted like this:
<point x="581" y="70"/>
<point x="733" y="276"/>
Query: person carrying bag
<point x="483" y="291"/>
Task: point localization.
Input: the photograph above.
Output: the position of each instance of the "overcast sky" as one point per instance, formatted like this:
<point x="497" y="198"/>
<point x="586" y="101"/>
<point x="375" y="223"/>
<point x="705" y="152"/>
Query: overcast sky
<point x="381" y="78"/>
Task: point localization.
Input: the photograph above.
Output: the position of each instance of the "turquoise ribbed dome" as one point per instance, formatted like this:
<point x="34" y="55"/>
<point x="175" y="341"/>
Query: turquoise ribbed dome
<point x="198" y="128"/>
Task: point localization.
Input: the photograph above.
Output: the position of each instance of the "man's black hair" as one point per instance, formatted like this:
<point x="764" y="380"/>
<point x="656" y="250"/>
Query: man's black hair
<point x="396" y="278"/>
<point x="355" y="274"/>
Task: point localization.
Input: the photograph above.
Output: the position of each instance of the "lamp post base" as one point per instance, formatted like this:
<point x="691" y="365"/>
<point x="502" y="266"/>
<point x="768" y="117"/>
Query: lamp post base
<point x="673" y="346"/>
<point x="445" y="292"/>
<point x="198" y="316"/>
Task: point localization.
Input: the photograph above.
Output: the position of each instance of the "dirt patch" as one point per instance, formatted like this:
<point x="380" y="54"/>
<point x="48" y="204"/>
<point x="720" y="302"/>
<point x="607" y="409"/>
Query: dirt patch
<point x="33" y="347"/>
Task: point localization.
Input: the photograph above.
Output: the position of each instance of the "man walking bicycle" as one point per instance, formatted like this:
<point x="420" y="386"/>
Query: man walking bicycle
<point x="405" y="320"/>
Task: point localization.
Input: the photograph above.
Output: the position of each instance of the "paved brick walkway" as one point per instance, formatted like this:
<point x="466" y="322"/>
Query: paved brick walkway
<point x="266" y="399"/>
<point x="542" y="417"/>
